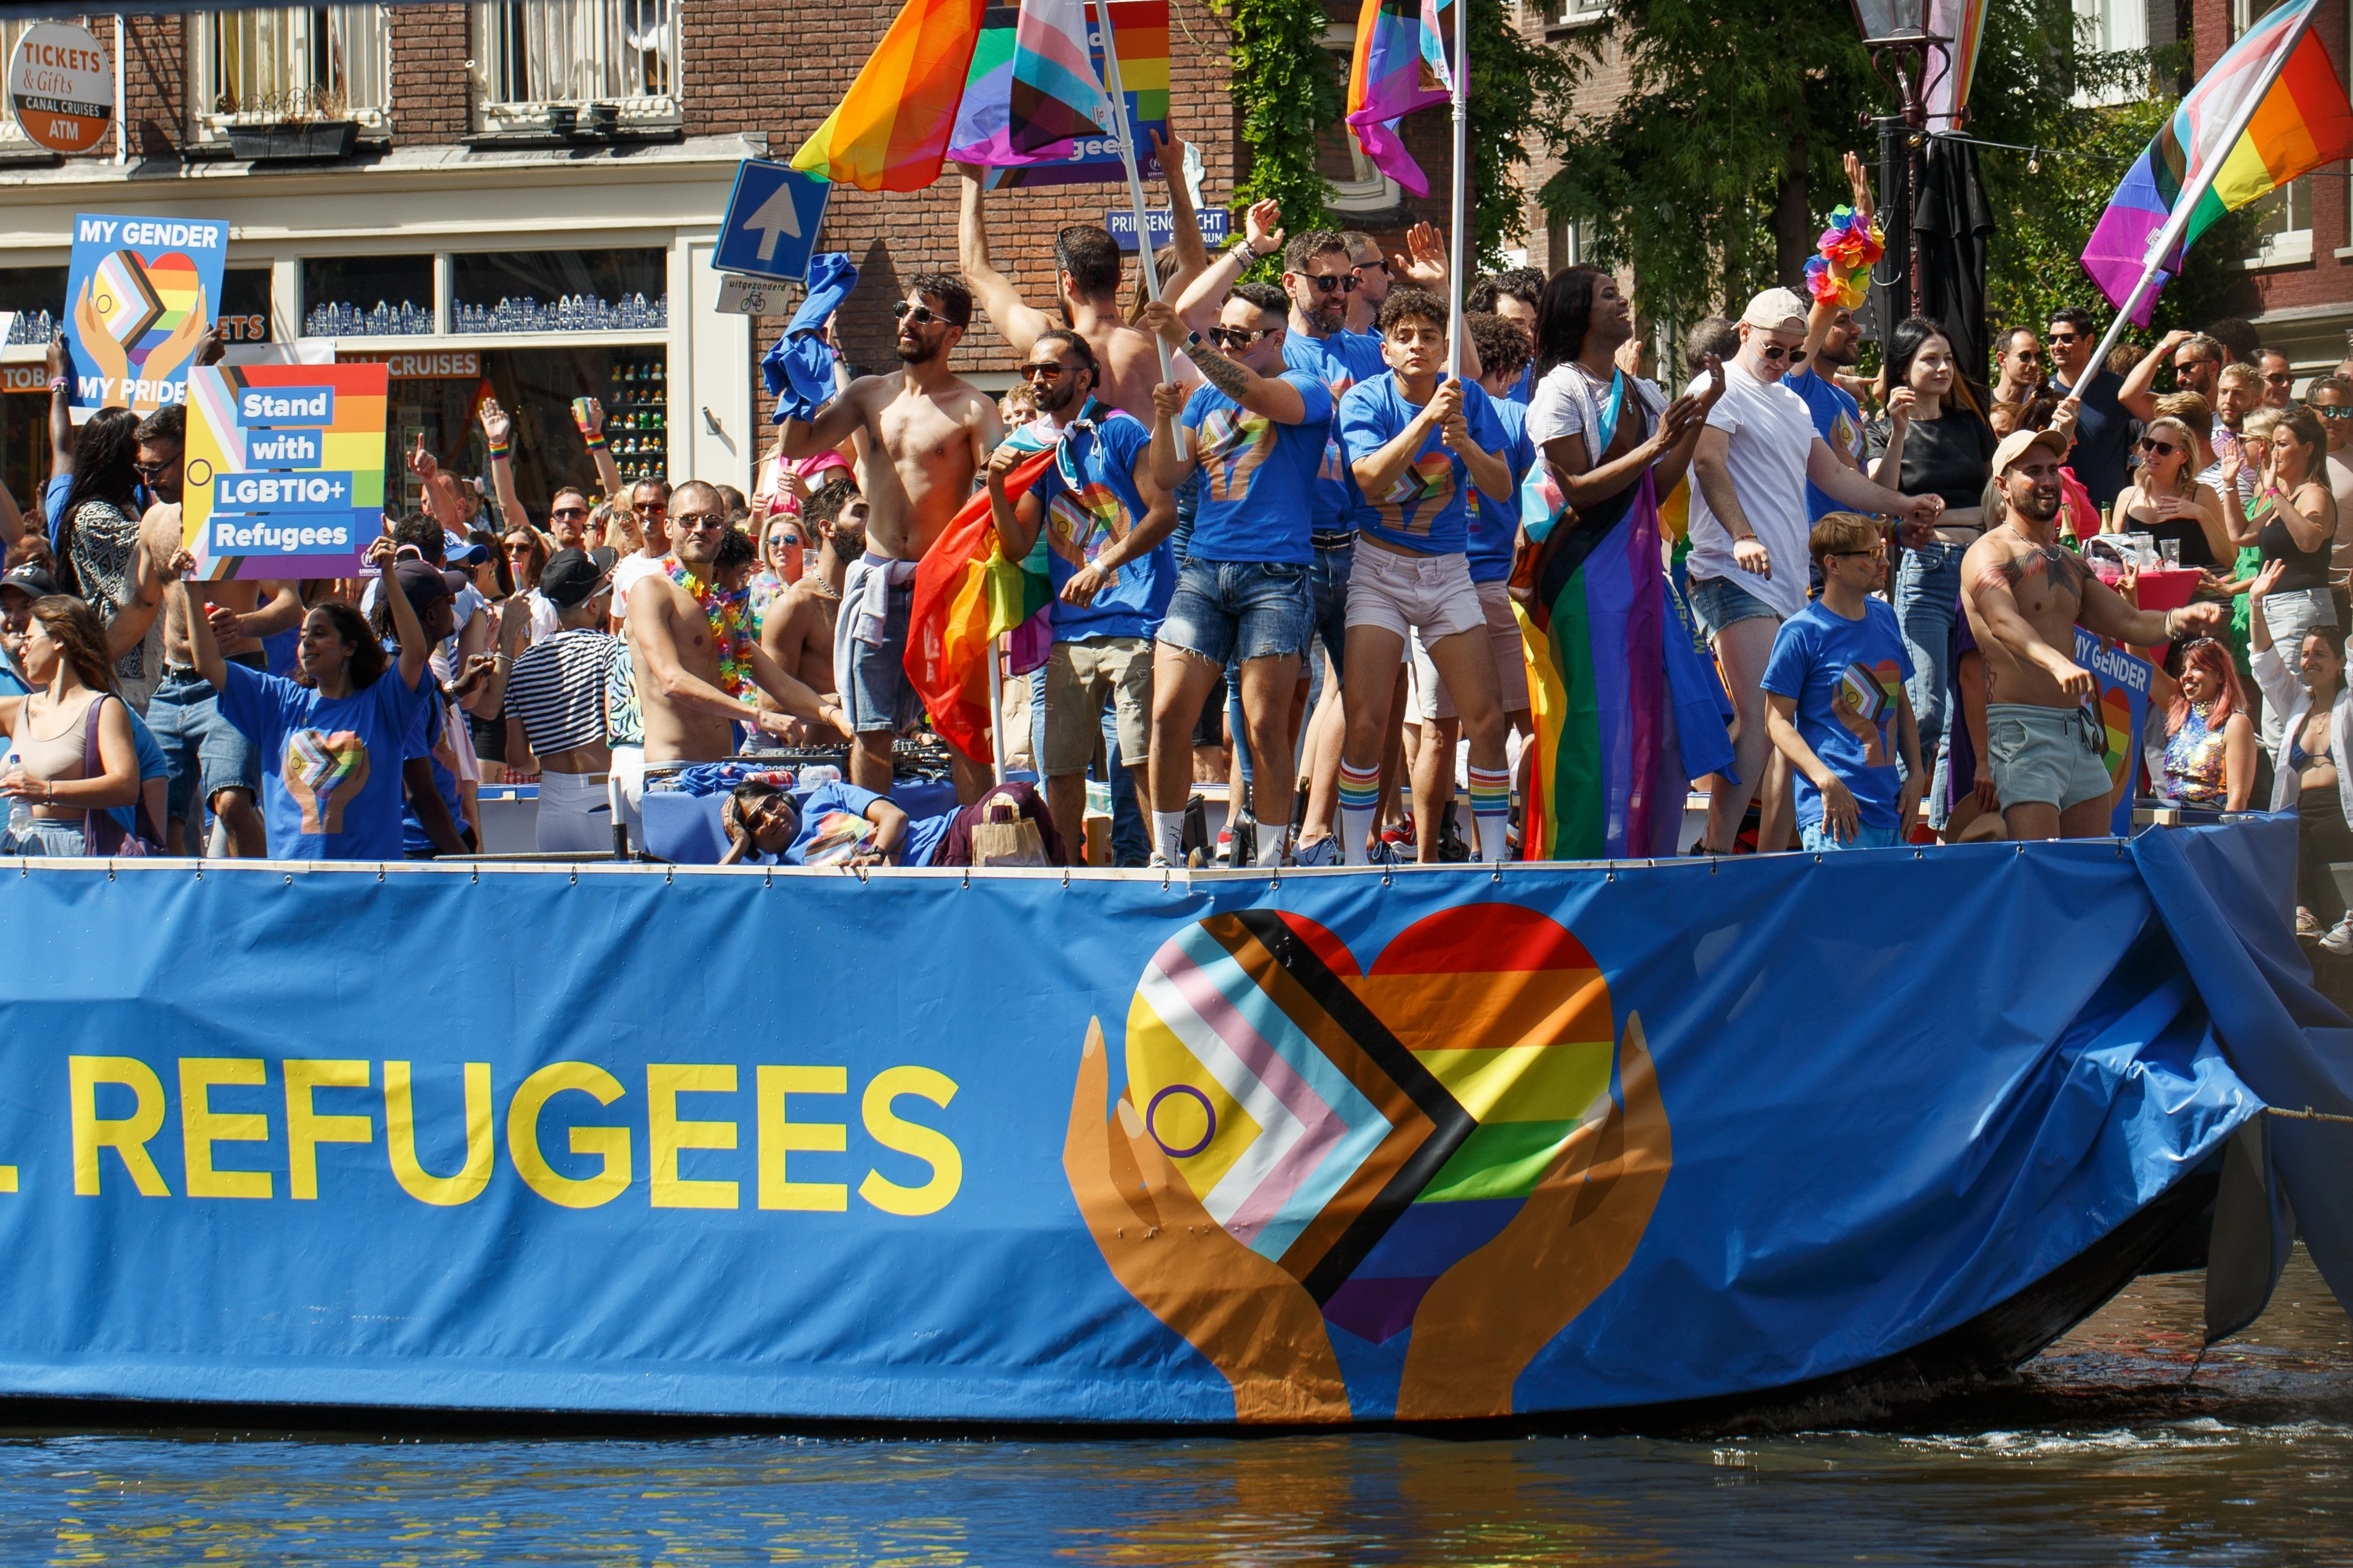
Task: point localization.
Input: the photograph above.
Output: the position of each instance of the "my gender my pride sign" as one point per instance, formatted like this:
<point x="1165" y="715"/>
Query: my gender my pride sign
<point x="285" y="474"/>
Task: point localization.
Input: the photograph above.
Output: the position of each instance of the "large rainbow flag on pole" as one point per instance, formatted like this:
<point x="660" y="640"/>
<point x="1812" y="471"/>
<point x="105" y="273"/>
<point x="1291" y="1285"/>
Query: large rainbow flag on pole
<point x="1399" y="67"/>
<point x="890" y="132"/>
<point x="2271" y="109"/>
<point x="968" y="594"/>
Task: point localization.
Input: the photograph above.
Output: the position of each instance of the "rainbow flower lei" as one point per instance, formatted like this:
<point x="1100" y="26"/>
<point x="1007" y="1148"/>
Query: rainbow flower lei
<point x="1840" y="273"/>
<point x="731" y="625"/>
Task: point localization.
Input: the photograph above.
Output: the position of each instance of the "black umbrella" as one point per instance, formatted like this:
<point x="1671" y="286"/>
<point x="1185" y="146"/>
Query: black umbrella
<point x="1955" y="228"/>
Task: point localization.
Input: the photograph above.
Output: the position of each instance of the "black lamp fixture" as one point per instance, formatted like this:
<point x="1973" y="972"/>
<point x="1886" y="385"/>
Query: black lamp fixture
<point x="1901" y="28"/>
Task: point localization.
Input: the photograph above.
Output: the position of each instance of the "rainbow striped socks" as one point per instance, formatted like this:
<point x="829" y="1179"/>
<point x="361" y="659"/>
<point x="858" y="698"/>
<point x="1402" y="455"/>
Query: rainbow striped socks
<point x="1490" y="812"/>
<point x="1360" y="803"/>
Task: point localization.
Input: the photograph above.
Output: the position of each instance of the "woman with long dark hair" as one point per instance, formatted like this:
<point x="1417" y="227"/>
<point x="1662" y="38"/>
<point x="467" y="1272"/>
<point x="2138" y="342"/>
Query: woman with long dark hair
<point x="333" y="738"/>
<point x="1934" y="441"/>
<point x="97" y="538"/>
<point x="1627" y="712"/>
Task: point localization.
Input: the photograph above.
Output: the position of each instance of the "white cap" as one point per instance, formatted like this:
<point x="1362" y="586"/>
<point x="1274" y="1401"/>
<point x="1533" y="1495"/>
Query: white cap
<point x="1776" y="310"/>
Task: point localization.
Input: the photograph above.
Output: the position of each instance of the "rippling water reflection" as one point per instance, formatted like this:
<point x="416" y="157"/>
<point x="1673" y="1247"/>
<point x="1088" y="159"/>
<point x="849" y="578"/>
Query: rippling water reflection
<point x="2107" y="1452"/>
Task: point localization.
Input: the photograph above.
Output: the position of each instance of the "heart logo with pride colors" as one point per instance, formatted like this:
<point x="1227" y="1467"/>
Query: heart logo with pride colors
<point x="2115" y="716"/>
<point x="322" y="772"/>
<point x="1366" y="1129"/>
<point x="144" y="302"/>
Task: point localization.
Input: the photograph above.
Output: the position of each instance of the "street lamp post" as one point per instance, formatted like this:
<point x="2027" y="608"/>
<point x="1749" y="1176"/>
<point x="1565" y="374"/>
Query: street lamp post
<point x="1896" y="33"/>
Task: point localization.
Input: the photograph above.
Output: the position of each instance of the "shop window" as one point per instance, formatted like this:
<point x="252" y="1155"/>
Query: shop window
<point x="560" y="292"/>
<point x="1356" y="185"/>
<point x="244" y="311"/>
<point x="259" y="68"/>
<point x="368" y="297"/>
<point x="36" y="295"/>
<point x="531" y="54"/>
<point x="11" y="133"/>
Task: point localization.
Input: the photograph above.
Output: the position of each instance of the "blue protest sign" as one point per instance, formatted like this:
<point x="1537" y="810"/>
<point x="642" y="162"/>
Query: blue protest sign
<point x="772" y="221"/>
<point x="141" y="293"/>
<point x="1212" y="221"/>
<point x="2123" y="710"/>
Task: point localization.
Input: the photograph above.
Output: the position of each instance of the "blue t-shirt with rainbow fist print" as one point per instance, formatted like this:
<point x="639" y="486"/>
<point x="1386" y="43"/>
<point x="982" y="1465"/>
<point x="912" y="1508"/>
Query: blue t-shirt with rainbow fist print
<point x="1258" y="476"/>
<point x="330" y="769"/>
<point x="1426" y="509"/>
<point x="1103" y="507"/>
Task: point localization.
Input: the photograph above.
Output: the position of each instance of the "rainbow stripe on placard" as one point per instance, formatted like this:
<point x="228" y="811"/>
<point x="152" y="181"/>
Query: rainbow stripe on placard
<point x="351" y="443"/>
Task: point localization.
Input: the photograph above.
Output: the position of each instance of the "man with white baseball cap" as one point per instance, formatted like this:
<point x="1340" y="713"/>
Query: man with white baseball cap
<point x="1748" y="530"/>
<point x="2026" y="594"/>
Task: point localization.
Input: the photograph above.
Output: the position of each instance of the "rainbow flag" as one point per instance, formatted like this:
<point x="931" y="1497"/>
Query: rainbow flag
<point x="985" y="124"/>
<point x="1399" y="67"/>
<point x="1058" y="94"/>
<point x="891" y="130"/>
<point x="2301" y="123"/>
<point x="968" y="594"/>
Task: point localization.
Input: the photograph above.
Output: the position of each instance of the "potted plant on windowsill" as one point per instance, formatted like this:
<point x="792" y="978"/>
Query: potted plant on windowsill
<point x="304" y="126"/>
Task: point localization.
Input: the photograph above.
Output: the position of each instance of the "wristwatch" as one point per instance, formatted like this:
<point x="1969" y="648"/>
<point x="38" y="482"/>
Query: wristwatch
<point x="1195" y="341"/>
<point x="1242" y="247"/>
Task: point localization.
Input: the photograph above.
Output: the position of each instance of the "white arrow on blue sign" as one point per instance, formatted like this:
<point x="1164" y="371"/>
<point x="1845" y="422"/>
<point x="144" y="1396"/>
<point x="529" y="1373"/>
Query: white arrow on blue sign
<point x="772" y="222"/>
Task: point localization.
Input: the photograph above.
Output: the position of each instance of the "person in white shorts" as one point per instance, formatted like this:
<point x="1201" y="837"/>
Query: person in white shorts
<point x="1417" y="444"/>
<point x="1504" y="352"/>
<point x="558" y="694"/>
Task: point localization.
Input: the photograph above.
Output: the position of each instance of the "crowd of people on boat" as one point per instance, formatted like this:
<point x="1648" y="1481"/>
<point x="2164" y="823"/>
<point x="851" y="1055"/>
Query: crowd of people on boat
<point x="1401" y="597"/>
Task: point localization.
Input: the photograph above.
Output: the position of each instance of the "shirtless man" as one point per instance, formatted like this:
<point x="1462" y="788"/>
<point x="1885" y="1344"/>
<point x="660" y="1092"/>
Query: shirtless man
<point x="934" y="431"/>
<point x="1087" y="263"/>
<point x="213" y="766"/>
<point x="798" y="631"/>
<point x="2026" y="594"/>
<point x="689" y="716"/>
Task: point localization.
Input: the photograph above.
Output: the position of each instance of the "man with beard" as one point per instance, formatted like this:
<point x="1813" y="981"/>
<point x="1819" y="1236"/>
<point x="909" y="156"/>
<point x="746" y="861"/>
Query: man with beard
<point x="1086" y="275"/>
<point x="2025" y="594"/>
<point x="933" y="431"/>
<point x="2104" y="428"/>
<point x="797" y="630"/>
<point x="1106" y="524"/>
<point x="700" y="668"/>
<point x="649" y="505"/>
<point x="213" y="766"/>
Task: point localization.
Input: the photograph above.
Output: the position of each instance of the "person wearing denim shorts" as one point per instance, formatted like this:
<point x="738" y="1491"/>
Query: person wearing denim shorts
<point x="1257" y="431"/>
<point x="1418" y="443"/>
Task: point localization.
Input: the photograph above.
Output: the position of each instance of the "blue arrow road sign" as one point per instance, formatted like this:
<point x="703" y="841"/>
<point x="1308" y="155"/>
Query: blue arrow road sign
<point x="772" y="222"/>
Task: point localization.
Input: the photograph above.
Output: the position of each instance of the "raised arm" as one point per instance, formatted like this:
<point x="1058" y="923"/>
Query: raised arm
<point x="1197" y="304"/>
<point x="203" y="651"/>
<point x="12" y="521"/>
<point x="1192" y="256"/>
<point x="588" y="414"/>
<point x="836" y="422"/>
<point x="497" y="429"/>
<point x="1271" y="396"/>
<point x="1169" y="459"/>
<point x="1017" y="520"/>
<point x="414" y="648"/>
<point x="1015" y="320"/>
<point x="2138" y="393"/>
<point x="62" y="425"/>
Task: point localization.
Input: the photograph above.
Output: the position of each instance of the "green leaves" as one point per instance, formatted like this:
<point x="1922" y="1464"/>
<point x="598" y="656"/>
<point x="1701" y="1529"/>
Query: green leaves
<point x="1288" y="88"/>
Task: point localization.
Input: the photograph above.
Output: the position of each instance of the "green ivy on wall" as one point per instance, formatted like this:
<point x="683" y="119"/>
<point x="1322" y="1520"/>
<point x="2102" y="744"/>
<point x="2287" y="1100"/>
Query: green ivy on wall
<point x="1287" y="89"/>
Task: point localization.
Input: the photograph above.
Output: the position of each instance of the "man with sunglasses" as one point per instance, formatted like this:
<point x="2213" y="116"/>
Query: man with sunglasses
<point x="650" y="504"/>
<point x="928" y="434"/>
<point x="1749" y="530"/>
<point x="2104" y="428"/>
<point x="1257" y="432"/>
<point x="2026" y="594"/>
<point x="1106" y="524"/>
<point x="2278" y="373"/>
<point x="1086" y="270"/>
<point x="2021" y="399"/>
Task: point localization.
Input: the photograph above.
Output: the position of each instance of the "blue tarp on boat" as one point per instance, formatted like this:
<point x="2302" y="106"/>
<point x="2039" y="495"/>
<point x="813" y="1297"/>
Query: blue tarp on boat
<point x="1428" y="1144"/>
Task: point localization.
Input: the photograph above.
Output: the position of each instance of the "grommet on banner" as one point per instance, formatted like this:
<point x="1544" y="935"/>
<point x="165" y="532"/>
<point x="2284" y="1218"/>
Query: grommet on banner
<point x="379" y="875"/>
<point x="477" y="878"/>
<point x="575" y="876"/>
<point x="1818" y="859"/>
<point x="2022" y="850"/>
<point x="1164" y="878"/>
<point x="768" y="878"/>
<point x="1498" y="877"/>
<point x="1066" y="878"/>
<point x="968" y="878"/>
<point x="110" y="871"/>
<point x="1711" y="865"/>
<point x="1919" y="854"/>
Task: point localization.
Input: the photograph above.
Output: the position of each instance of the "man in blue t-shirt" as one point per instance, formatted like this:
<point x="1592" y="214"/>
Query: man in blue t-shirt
<point x="835" y="823"/>
<point x="1106" y="525"/>
<point x="2104" y="430"/>
<point x="1418" y="444"/>
<point x="1830" y="337"/>
<point x="1835" y="701"/>
<point x="1257" y="432"/>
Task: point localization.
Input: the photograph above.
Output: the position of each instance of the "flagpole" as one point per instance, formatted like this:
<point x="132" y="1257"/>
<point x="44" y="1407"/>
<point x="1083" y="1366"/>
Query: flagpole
<point x="2187" y="203"/>
<point x="1135" y="180"/>
<point x="996" y="705"/>
<point x="1457" y="260"/>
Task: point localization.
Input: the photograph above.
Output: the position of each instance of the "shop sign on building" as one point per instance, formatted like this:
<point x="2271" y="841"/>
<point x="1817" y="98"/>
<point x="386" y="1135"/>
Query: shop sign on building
<point x="140" y="296"/>
<point x="421" y="364"/>
<point x="61" y="86"/>
<point x="285" y="472"/>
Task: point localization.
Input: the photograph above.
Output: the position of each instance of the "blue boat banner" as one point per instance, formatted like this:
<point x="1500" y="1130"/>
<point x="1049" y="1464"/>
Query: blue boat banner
<point x="1012" y="1148"/>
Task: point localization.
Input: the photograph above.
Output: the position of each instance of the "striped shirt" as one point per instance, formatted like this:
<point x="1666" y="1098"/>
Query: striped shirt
<point x="557" y="689"/>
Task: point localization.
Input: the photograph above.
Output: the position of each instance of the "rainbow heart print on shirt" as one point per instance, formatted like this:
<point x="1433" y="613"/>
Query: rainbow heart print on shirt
<point x="1083" y="520"/>
<point x="1234" y="442"/>
<point x="1366" y="1129"/>
<point x="322" y="771"/>
<point x="1866" y="702"/>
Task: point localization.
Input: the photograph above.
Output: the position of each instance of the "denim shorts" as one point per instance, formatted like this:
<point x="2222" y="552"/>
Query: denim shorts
<point x="206" y="752"/>
<point x="872" y="676"/>
<point x="1230" y="611"/>
<point x="1816" y="836"/>
<point x="1719" y="602"/>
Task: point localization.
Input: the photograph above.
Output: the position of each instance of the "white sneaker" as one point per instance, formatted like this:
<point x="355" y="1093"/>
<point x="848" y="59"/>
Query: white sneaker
<point x="2339" y="940"/>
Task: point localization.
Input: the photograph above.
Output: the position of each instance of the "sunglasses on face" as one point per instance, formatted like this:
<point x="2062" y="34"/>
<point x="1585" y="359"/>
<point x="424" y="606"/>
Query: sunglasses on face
<point x="2331" y="410"/>
<point x="2028" y="355"/>
<point x="696" y="521"/>
<point x="1237" y="337"/>
<point x="2280" y="378"/>
<point x="1041" y="373"/>
<point x="922" y="315"/>
<point x="654" y="507"/>
<point x="1375" y="262"/>
<point x="783" y="541"/>
<point x="2063" y="339"/>
<point x="1345" y="282"/>
<point x="1776" y="353"/>
<point x="2159" y="448"/>
<point x="569" y="511"/>
<point x="1875" y="553"/>
<point x="519" y="551"/>
<point x="150" y="470"/>
<point x="2184" y="366"/>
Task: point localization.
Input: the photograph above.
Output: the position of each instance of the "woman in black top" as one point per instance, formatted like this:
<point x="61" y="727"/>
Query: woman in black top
<point x="2294" y="519"/>
<point x="2165" y="499"/>
<point x="1934" y="441"/>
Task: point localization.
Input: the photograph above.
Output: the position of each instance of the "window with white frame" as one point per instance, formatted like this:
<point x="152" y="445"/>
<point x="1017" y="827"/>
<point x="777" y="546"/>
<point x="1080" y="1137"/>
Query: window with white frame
<point x="2284" y="226"/>
<point x="297" y="63"/>
<point x="11" y="133"/>
<point x="2107" y="28"/>
<point x="1356" y="185"/>
<point x="531" y="54"/>
<point x="1569" y="13"/>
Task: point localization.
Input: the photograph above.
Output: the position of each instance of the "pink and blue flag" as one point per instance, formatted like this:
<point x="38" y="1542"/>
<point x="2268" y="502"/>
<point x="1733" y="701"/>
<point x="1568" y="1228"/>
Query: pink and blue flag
<point x="1056" y="95"/>
<point x="1399" y="67"/>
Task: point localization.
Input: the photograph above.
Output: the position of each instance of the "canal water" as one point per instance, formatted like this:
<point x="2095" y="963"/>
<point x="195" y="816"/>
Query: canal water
<point x="2119" y="1445"/>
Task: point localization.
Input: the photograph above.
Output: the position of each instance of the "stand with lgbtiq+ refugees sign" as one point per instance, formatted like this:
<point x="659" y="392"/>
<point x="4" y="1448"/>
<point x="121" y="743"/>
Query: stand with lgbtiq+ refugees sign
<point x="285" y="474"/>
<point x="140" y="296"/>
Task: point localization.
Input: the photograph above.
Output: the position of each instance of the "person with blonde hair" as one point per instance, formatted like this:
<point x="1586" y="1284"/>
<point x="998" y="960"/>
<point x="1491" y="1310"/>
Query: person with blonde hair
<point x="50" y="733"/>
<point x="2166" y="500"/>
<point x="2292" y="516"/>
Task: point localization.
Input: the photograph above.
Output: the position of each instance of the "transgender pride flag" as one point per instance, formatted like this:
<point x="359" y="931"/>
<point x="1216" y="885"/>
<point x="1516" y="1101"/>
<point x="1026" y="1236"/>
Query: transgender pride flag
<point x="1056" y="96"/>
<point x="2220" y="157"/>
<point x="1399" y="66"/>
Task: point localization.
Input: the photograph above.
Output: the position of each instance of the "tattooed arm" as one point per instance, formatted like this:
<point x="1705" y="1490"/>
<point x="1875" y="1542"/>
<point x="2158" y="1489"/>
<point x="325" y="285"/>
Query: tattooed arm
<point x="1271" y="396"/>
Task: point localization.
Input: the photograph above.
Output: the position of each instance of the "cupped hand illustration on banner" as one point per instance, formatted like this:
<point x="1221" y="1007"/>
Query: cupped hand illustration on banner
<point x="139" y="322"/>
<point x="1454" y="1143"/>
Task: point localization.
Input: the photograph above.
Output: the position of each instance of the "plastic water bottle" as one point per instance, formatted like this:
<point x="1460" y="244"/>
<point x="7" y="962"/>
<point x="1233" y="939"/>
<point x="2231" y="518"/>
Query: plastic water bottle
<point x="20" y="811"/>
